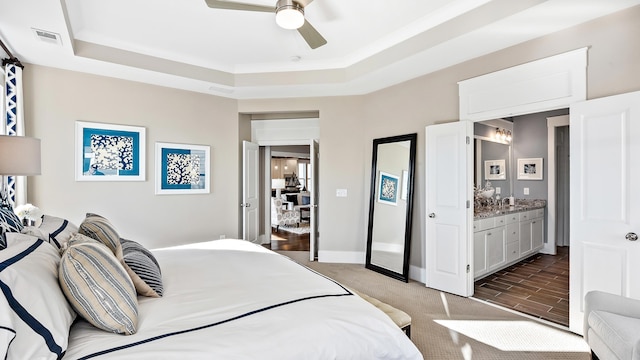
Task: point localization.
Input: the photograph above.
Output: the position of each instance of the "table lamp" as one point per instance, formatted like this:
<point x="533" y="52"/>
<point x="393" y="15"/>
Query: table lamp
<point x="19" y="156"/>
<point x="277" y="184"/>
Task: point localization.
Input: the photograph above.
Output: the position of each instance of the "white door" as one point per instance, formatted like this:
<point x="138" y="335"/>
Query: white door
<point x="314" y="150"/>
<point x="605" y="200"/>
<point x="250" y="192"/>
<point x="449" y="183"/>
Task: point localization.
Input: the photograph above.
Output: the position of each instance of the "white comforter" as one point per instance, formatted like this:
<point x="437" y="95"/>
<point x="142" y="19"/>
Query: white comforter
<point x="230" y="299"/>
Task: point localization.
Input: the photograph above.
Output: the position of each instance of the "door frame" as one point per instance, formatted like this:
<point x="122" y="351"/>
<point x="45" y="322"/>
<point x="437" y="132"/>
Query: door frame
<point x="265" y="174"/>
<point x="552" y="212"/>
<point x="525" y="89"/>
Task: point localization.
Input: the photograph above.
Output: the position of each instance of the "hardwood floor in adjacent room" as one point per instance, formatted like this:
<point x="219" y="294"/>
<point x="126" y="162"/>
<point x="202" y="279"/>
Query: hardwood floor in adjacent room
<point x="537" y="286"/>
<point x="283" y="240"/>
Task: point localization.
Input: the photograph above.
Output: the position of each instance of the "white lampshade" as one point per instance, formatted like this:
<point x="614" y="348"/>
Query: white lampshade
<point x="19" y="155"/>
<point x="289" y="15"/>
<point x="277" y="184"/>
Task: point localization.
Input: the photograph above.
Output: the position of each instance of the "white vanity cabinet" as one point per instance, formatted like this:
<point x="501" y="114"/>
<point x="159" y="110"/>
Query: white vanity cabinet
<point x="489" y="244"/>
<point x="503" y="240"/>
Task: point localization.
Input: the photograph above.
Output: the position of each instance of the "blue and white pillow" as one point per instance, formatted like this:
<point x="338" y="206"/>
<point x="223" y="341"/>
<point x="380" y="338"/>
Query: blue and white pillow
<point x="35" y="316"/>
<point x="9" y="222"/>
<point x="97" y="286"/>
<point x="54" y="230"/>
<point x="142" y="267"/>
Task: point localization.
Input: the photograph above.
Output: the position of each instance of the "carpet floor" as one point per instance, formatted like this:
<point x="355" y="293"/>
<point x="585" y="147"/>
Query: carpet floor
<point x="445" y="326"/>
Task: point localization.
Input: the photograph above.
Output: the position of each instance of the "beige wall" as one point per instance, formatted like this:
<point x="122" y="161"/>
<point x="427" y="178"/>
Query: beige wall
<point x="55" y="99"/>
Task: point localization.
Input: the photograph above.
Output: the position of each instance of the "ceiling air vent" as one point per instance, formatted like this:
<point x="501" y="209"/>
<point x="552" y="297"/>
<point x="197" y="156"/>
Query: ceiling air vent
<point x="47" y="36"/>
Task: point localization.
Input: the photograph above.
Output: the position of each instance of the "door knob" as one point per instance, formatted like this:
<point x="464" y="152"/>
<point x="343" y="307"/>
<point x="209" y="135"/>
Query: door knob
<point x="631" y="236"/>
<point x="432" y="215"/>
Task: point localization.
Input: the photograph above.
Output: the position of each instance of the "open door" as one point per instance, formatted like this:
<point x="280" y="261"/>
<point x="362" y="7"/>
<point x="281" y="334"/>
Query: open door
<point x="314" y="150"/>
<point x="605" y="211"/>
<point x="250" y="192"/>
<point x="449" y="172"/>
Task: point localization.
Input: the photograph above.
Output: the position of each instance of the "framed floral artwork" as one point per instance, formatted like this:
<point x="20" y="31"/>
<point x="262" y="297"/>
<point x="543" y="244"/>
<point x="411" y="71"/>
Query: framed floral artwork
<point x="182" y="168"/>
<point x="109" y="152"/>
<point x="388" y="187"/>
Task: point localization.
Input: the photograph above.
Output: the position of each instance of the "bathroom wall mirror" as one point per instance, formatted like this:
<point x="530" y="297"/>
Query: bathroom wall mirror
<point x="491" y="149"/>
<point x="391" y="205"/>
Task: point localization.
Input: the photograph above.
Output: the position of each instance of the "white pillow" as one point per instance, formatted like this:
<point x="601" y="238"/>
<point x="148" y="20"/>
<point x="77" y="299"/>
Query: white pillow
<point x="32" y="306"/>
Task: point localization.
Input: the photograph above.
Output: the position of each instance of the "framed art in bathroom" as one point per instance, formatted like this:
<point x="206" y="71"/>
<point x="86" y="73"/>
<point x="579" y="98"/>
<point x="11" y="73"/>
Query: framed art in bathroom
<point x="495" y="170"/>
<point x="530" y="169"/>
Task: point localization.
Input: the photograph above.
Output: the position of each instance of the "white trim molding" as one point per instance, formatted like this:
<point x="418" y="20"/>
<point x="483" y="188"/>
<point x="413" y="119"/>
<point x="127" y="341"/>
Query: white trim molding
<point x="551" y="83"/>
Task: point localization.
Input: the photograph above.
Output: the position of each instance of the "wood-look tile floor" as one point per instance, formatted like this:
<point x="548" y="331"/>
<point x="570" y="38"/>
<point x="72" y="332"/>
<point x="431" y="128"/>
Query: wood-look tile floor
<point x="537" y="286"/>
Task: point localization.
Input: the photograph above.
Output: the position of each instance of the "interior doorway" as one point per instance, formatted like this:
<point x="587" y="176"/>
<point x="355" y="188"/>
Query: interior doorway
<point x="290" y="206"/>
<point x="539" y="285"/>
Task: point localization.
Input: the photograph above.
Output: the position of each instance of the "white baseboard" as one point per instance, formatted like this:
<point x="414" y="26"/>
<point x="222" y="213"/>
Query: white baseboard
<point x="418" y="274"/>
<point x="344" y="257"/>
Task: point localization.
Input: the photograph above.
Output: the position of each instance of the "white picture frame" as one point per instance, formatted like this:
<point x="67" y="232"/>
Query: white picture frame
<point x="495" y="170"/>
<point x="109" y="152"/>
<point x="192" y="176"/>
<point x="530" y="169"/>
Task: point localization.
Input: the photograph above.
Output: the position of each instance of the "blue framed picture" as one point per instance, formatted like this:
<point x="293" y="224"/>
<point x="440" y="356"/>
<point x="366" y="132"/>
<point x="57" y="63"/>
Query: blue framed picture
<point x="108" y="152"/>
<point x="388" y="186"/>
<point x="182" y="168"/>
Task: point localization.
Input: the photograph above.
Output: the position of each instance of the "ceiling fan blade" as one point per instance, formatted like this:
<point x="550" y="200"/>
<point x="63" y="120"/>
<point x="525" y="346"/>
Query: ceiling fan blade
<point x="311" y="35"/>
<point x="229" y="5"/>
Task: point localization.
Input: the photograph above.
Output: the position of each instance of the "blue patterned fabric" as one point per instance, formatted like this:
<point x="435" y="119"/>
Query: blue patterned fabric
<point x="14" y="123"/>
<point x="9" y="223"/>
<point x="143" y="268"/>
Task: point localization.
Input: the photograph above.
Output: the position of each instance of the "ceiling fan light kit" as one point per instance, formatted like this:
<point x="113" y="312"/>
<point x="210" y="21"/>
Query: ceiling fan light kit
<point x="289" y="14"/>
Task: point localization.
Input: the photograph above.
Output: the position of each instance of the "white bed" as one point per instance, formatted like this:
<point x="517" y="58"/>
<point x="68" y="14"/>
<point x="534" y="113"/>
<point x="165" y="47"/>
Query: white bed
<point x="224" y="299"/>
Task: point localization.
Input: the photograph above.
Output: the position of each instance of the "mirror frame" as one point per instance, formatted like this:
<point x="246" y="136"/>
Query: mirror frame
<point x="412" y="138"/>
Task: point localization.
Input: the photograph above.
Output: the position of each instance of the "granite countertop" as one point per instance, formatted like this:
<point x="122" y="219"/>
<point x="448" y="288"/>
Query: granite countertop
<point x="495" y="210"/>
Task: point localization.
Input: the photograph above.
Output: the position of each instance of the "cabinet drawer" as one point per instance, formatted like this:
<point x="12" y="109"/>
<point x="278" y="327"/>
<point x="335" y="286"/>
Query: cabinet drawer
<point x="500" y="220"/>
<point x="513" y="251"/>
<point x="538" y="213"/>
<point x="511" y="218"/>
<point x="513" y="232"/>
<point x="487" y="223"/>
<point x="525" y="215"/>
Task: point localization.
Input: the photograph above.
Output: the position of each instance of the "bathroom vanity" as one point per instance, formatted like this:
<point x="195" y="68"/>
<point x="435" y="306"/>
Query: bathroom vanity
<point x="504" y="235"/>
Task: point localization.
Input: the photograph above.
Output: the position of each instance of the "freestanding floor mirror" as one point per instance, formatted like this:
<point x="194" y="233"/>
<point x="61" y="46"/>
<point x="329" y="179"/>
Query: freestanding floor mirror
<point x="391" y="205"/>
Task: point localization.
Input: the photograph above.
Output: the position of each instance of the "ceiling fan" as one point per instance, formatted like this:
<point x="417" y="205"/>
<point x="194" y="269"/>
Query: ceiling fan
<point x="289" y="15"/>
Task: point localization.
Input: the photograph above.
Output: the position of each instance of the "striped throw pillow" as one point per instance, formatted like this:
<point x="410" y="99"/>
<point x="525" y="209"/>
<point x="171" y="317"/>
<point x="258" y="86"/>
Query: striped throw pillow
<point x="54" y="230"/>
<point x="99" y="228"/>
<point x="35" y="316"/>
<point x="98" y="287"/>
<point x="143" y="268"/>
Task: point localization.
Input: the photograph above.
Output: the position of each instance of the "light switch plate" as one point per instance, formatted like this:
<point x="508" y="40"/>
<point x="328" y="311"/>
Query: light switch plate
<point x="341" y="192"/>
<point x="526" y="191"/>
<point x="498" y="190"/>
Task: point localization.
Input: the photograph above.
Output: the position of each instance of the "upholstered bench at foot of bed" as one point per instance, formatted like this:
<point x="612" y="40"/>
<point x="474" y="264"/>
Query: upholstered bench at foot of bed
<point x="399" y="317"/>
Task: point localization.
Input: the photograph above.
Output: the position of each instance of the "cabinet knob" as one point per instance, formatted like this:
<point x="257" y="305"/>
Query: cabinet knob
<point x="432" y="215"/>
<point x="631" y="236"/>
